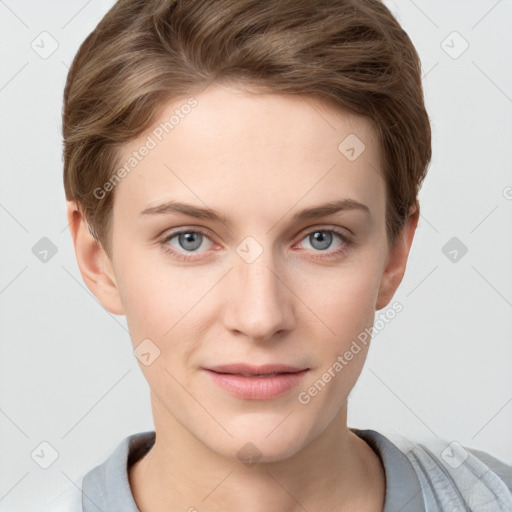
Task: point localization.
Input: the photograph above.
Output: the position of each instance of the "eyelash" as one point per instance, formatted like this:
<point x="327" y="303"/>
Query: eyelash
<point x="346" y="239"/>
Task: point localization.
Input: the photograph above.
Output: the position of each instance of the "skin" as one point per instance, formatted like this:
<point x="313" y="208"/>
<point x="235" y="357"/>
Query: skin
<point x="271" y="157"/>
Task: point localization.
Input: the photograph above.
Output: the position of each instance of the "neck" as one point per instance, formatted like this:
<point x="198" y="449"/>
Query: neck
<point x="336" y="471"/>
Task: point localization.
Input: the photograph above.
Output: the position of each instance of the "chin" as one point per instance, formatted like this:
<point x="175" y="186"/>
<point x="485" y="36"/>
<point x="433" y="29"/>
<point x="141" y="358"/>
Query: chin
<point x="261" y="439"/>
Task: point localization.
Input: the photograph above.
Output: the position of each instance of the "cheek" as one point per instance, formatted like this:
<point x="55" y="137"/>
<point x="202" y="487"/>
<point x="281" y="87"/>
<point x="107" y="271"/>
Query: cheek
<point x="157" y="308"/>
<point x="163" y="304"/>
<point x="160" y="300"/>
<point x="154" y="296"/>
<point x="343" y="300"/>
<point x="346" y="311"/>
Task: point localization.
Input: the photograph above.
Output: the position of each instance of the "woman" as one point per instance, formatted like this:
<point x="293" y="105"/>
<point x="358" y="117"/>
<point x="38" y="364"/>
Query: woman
<point x="242" y="181"/>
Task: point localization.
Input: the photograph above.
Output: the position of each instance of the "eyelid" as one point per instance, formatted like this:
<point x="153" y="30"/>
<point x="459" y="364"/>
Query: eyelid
<point x="345" y="233"/>
<point x="184" y="229"/>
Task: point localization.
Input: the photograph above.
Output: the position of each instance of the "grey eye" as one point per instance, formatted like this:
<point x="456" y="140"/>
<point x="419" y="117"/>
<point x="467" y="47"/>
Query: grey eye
<point x="190" y="241"/>
<point x="320" y="240"/>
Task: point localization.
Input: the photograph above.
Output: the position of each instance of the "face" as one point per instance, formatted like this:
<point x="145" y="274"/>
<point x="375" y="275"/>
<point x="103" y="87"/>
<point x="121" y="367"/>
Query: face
<point x="261" y="284"/>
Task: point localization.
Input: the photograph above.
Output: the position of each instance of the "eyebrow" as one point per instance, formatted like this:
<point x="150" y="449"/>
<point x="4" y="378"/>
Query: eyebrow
<point x="314" y="212"/>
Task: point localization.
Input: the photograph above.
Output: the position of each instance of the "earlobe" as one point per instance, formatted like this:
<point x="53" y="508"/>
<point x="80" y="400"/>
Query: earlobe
<point x="397" y="260"/>
<point x="93" y="262"/>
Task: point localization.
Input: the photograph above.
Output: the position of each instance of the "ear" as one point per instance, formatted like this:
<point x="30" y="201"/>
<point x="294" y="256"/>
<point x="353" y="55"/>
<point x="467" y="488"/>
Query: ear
<point x="397" y="259"/>
<point x="93" y="262"/>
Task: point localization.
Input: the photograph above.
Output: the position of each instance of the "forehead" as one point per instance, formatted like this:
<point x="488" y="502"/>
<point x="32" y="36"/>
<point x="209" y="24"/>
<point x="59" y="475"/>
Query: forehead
<point x="229" y="148"/>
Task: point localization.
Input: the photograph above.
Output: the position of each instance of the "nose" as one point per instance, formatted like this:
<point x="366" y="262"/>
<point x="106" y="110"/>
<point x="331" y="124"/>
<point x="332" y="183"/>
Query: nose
<point x="260" y="304"/>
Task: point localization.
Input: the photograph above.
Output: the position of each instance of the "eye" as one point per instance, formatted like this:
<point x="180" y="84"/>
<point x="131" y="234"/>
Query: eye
<point x="187" y="241"/>
<point x="321" y="239"/>
<point x="190" y="241"/>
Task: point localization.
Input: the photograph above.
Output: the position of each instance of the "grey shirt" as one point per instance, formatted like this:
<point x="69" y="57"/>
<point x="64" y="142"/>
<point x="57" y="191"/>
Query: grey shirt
<point x="106" y="487"/>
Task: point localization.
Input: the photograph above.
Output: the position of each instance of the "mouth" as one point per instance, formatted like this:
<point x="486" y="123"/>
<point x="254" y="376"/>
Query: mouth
<point x="256" y="382"/>
<point x="265" y="370"/>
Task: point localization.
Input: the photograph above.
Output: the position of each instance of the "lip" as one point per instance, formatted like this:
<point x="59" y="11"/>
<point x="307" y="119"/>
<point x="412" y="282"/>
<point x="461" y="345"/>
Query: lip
<point x="248" y="369"/>
<point x="242" y="379"/>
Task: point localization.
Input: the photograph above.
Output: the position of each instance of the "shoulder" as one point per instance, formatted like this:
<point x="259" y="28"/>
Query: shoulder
<point x="106" y="483"/>
<point x="453" y="475"/>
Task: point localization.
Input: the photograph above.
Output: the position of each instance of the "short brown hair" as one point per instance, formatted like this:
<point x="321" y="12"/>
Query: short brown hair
<point x="143" y="53"/>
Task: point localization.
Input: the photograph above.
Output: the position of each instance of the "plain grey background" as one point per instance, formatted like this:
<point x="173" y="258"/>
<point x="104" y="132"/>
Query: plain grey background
<point x="442" y="367"/>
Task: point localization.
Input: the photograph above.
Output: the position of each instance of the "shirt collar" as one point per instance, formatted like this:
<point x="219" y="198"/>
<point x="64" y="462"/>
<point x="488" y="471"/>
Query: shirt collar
<point x="107" y="486"/>
<point x="403" y="488"/>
